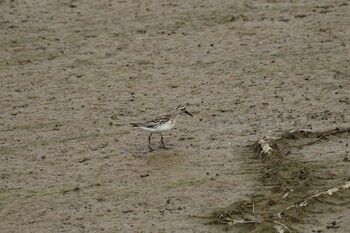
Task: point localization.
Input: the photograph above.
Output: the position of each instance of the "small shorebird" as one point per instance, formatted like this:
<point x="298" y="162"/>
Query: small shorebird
<point x="160" y="124"/>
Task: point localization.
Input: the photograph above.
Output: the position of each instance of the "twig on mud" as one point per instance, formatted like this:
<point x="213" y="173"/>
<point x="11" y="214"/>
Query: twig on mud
<point x="224" y="219"/>
<point x="234" y="222"/>
<point x="284" y="226"/>
<point x="305" y="202"/>
<point x="332" y="190"/>
<point x="320" y="135"/>
<point x="265" y="148"/>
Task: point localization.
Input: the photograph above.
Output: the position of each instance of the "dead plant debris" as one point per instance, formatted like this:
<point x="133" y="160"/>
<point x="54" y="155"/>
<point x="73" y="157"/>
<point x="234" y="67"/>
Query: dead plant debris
<point x="290" y="186"/>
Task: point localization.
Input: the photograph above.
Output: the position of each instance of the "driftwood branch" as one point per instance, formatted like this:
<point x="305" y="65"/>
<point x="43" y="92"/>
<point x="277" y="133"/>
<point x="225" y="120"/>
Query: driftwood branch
<point x="307" y="200"/>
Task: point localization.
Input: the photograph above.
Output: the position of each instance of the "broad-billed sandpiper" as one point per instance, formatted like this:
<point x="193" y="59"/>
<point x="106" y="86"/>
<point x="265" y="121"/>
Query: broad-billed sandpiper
<point x="160" y="124"/>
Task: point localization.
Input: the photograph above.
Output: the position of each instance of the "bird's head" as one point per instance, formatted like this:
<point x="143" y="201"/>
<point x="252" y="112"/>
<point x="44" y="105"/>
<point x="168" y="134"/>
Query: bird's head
<point x="182" y="109"/>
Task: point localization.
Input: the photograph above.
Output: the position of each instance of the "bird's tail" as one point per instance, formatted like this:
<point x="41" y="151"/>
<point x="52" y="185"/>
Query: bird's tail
<point x="134" y="124"/>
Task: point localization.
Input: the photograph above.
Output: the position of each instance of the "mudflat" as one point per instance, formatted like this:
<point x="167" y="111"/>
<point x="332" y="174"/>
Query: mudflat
<point x="74" y="74"/>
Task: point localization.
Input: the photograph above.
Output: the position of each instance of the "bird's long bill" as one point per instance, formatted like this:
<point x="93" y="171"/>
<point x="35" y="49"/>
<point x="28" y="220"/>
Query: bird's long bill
<point x="188" y="113"/>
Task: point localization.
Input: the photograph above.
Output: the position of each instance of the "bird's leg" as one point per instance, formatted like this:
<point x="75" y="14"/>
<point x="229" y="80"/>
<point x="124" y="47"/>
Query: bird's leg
<point x="149" y="143"/>
<point x="161" y="139"/>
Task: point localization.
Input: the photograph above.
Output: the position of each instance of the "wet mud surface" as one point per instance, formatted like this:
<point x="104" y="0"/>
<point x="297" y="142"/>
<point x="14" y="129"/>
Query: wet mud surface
<point x="74" y="74"/>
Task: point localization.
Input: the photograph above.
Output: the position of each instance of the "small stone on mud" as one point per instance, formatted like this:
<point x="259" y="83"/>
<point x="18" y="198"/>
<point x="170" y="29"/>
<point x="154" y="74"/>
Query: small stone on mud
<point x="333" y="225"/>
<point x="127" y="211"/>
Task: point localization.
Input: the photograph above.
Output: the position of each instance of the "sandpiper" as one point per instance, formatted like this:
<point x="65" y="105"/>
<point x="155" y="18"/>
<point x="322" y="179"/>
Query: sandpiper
<point x="160" y="124"/>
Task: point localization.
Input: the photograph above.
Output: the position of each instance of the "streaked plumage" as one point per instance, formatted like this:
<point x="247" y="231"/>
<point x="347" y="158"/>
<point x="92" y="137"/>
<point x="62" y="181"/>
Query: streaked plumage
<point x="161" y="124"/>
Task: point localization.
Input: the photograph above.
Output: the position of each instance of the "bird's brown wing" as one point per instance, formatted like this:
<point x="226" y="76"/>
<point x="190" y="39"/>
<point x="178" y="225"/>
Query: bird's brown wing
<point x="156" y="121"/>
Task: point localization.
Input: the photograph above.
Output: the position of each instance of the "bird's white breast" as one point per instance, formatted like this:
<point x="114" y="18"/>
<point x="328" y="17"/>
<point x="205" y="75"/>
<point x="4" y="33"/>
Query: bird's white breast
<point x="168" y="125"/>
<point x="163" y="127"/>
